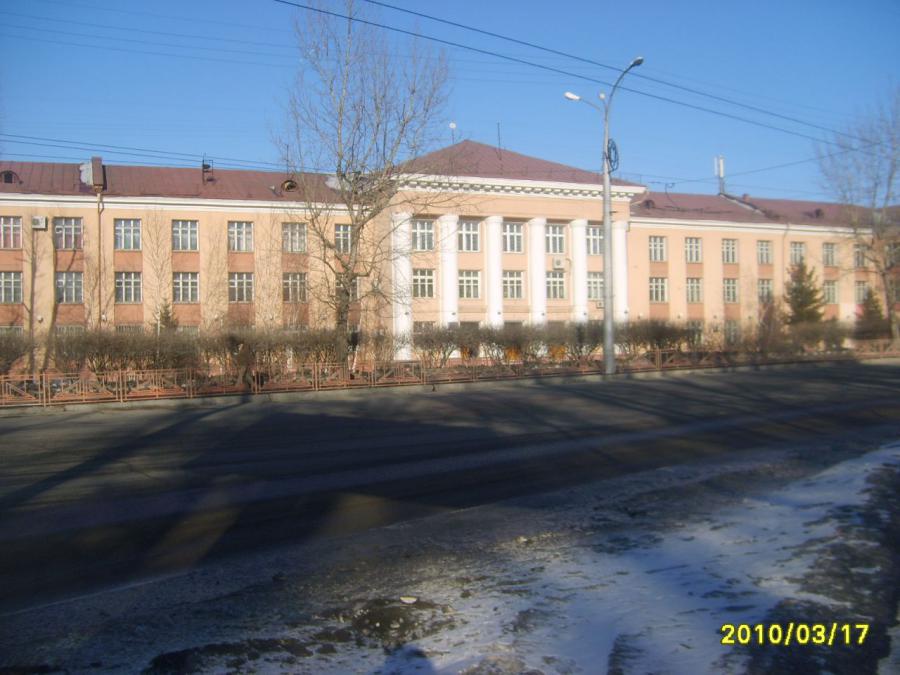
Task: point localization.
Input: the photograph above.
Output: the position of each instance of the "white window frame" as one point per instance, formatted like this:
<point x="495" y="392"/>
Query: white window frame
<point x="798" y="252"/>
<point x="594" y="235"/>
<point x="729" y="251"/>
<point x="240" y="236"/>
<point x="423" y="283"/>
<point x="293" y="237"/>
<point x="595" y="286"/>
<point x="10" y="288"/>
<point x="469" y="236"/>
<point x="469" y="284"/>
<point x="555" y="238"/>
<point x="513" y="284"/>
<point x="659" y="290"/>
<point x="513" y="237"/>
<point x="185" y="288"/>
<point x="343" y="237"/>
<point x="240" y="287"/>
<point x="556" y="285"/>
<point x="764" y="252"/>
<point x="10" y="232"/>
<point x="859" y="256"/>
<point x="693" y="249"/>
<point x="828" y="254"/>
<point x="658" y="248"/>
<point x="693" y="288"/>
<point x="830" y="292"/>
<point x="860" y="291"/>
<point x="423" y="234"/>
<point x="730" y="291"/>
<point x="69" y="288"/>
<point x="293" y="287"/>
<point x="184" y="235"/>
<point x="129" y="288"/>
<point x="127" y="234"/>
<point x="765" y="290"/>
<point x="68" y="234"/>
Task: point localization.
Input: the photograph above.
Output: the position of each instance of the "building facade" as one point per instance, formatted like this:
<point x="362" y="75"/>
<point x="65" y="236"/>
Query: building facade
<point x="517" y="240"/>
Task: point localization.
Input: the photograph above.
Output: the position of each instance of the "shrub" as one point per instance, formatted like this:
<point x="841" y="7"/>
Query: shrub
<point x="13" y="346"/>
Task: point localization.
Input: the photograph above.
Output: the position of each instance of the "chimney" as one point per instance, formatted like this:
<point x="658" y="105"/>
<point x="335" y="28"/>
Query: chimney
<point x="98" y="181"/>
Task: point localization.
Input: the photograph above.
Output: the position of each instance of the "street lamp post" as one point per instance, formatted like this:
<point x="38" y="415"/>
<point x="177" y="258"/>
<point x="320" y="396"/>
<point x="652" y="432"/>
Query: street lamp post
<point x="609" y="339"/>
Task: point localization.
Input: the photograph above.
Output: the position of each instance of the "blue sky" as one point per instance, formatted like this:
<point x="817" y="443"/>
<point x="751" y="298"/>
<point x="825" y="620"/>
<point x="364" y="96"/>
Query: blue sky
<point x="203" y="76"/>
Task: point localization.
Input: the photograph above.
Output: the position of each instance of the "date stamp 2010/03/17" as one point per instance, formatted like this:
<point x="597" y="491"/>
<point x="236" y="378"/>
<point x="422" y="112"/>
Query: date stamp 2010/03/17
<point x="794" y="633"/>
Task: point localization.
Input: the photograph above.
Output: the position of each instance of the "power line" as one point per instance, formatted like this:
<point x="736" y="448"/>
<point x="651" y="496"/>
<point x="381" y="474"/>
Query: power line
<point x="592" y="62"/>
<point x="560" y="71"/>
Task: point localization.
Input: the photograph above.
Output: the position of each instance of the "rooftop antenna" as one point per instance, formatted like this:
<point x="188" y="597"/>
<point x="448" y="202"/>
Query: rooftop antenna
<point x="206" y="170"/>
<point x="719" y="170"/>
<point x="453" y="132"/>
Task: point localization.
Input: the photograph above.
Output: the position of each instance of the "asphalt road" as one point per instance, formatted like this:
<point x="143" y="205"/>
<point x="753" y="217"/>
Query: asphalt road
<point x="91" y="497"/>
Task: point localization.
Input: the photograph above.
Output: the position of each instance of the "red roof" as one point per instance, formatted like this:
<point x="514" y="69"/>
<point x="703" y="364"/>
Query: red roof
<point x="743" y="209"/>
<point x="469" y="158"/>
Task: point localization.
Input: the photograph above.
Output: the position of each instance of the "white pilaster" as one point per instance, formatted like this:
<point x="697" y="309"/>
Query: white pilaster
<point x="402" y="281"/>
<point x="493" y="283"/>
<point x="449" y="292"/>
<point x="579" y="270"/>
<point x="537" y="273"/>
<point x="620" y="269"/>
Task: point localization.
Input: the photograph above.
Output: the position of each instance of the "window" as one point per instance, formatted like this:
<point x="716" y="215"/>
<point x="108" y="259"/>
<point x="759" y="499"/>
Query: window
<point x="512" y="237"/>
<point x="128" y="287"/>
<point x="184" y="235"/>
<point x="862" y="290"/>
<point x="555" y="238"/>
<point x="468" y="236"/>
<point x="556" y="285"/>
<point x="10" y="288"/>
<point x="695" y="329"/>
<point x="423" y="235"/>
<point x="293" y="237"/>
<point x="512" y="285"/>
<point x="67" y="233"/>
<point x="186" y="287"/>
<point x="127" y="234"/>
<point x="764" y="291"/>
<point x="764" y="252"/>
<point x="240" y="235"/>
<point x="420" y="327"/>
<point x="594" y="240"/>
<point x="693" y="250"/>
<point x="188" y="330"/>
<point x="730" y="290"/>
<point x="859" y="255"/>
<point x="595" y="286"/>
<point x="694" y="288"/>
<point x="69" y="329"/>
<point x="659" y="289"/>
<point x="354" y="288"/>
<point x="130" y="328"/>
<point x="12" y="330"/>
<point x="240" y="287"/>
<point x="69" y="287"/>
<point x="423" y="283"/>
<point x="798" y="252"/>
<point x="293" y="287"/>
<point x="10" y="232"/>
<point x="657" y="249"/>
<point x="829" y="292"/>
<point x="732" y="331"/>
<point x="828" y="255"/>
<point x="729" y="251"/>
<point x="469" y="282"/>
<point x="342" y="238"/>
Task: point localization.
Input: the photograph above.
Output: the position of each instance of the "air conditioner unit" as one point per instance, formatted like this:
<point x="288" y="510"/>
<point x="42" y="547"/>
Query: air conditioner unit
<point x="559" y="264"/>
<point x="38" y="222"/>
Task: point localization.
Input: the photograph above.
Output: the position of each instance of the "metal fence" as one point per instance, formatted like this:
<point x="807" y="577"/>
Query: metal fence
<point x="49" y="389"/>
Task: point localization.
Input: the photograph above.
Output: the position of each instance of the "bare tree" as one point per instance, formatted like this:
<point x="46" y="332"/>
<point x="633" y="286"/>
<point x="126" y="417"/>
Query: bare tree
<point x="358" y="112"/>
<point x="863" y="174"/>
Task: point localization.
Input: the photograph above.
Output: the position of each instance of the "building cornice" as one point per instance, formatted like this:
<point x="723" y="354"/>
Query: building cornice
<point x="732" y="225"/>
<point x="511" y="186"/>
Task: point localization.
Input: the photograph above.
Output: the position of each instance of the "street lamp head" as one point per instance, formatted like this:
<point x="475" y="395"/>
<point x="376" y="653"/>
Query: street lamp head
<point x="638" y="61"/>
<point x="572" y="97"/>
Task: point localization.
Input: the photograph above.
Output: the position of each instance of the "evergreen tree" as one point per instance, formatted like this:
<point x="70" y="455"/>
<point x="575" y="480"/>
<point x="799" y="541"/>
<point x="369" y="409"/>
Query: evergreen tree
<point x="165" y="318"/>
<point x="871" y="323"/>
<point x="803" y="296"/>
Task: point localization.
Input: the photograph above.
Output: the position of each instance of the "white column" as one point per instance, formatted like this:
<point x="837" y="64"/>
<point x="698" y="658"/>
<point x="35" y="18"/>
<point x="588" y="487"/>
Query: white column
<point x="493" y="282"/>
<point x="402" y="280"/>
<point x="620" y="269"/>
<point x="537" y="273"/>
<point x="579" y="270"/>
<point x="449" y="291"/>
